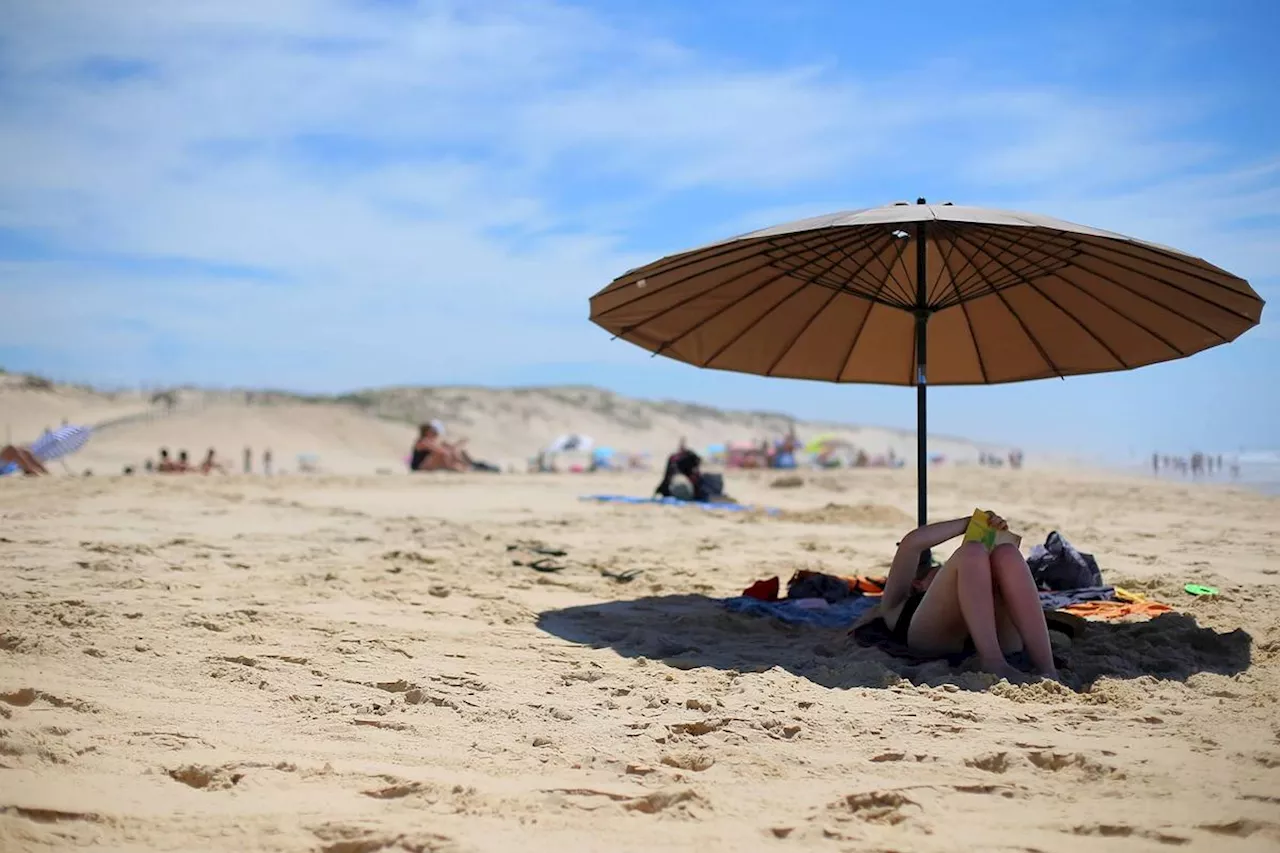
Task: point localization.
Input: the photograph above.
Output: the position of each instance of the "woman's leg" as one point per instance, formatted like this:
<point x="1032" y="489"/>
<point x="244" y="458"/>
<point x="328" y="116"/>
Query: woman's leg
<point x="22" y="457"/>
<point x="1022" y="602"/>
<point x="960" y="604"/>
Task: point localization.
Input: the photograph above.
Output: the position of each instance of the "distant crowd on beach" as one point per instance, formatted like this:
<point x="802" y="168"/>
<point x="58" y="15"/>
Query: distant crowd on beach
<point x="1196" y="465"/>
<point x="165" y="463"/>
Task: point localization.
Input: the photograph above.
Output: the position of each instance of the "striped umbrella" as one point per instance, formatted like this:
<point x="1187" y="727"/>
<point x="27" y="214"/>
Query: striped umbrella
<point x="60" y="442"/>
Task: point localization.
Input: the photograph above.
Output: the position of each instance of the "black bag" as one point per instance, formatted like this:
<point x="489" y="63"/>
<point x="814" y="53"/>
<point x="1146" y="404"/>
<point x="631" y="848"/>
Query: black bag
<point x="1057" y="565"/>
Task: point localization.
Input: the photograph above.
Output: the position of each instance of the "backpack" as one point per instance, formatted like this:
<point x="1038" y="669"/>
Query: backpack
<point x="1057" y="565"/>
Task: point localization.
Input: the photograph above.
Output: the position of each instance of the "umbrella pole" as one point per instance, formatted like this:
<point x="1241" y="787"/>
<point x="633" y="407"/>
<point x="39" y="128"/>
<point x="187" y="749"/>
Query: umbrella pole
<point x="922" y="420"/>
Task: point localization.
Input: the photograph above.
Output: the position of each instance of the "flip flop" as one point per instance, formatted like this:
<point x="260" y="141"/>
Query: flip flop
<point x="546" y="565"/>
<point x="1201" y="589"/>
<point x="538" y="549"/>
<point x="622" y="577"/>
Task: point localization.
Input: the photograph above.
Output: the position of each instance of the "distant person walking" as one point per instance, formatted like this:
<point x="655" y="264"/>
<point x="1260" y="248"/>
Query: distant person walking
<point x="248" y="460"/>
<point x="266" y="462"/>
<point x="1155" y="464"/>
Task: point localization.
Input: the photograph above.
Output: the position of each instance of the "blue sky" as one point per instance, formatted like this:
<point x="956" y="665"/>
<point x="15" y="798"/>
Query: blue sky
<point x="332" y="194"/>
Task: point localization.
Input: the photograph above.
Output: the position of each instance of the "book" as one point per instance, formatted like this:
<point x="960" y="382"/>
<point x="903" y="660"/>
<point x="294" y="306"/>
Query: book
<point x="980" y="530"/>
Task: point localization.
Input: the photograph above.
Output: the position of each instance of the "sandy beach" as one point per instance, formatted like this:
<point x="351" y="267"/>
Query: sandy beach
<point x="355" y="664"/>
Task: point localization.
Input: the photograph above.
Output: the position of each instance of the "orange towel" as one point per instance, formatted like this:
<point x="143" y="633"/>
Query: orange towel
<point x="867" y="585"/>
<point x="1107" y="610"/>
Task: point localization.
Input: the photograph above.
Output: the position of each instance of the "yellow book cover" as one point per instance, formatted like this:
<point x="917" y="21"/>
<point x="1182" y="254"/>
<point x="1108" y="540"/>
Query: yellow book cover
<point x="980" y="530"/>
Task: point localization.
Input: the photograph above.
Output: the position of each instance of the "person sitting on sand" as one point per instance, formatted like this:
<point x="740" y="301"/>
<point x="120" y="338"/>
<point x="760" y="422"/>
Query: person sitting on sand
<point x="211" y="464"/>
<point x="14" y="458"/>
<point x="689" y="464"/>
<point x="431" y="453"/>
<point x="988" y="600"/>
<point x="183" y="465"/>
<point x="166" y="465"/>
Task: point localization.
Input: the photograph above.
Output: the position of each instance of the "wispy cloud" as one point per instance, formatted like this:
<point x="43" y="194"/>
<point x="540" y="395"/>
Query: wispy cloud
<point x="402" y="180"/>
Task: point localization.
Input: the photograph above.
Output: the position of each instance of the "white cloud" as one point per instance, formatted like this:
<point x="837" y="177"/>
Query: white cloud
<point x="443" y="230"/>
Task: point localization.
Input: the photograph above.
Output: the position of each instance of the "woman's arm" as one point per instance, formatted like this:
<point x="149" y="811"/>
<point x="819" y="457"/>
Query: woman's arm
<point x="906" y="561"/>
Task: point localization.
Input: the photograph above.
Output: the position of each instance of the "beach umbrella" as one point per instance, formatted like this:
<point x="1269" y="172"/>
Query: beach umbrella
<point x="60" y="442"/>
<point x="822" y="442"/>
<point x="570" y="443"/>
<point x="920" y="294"/>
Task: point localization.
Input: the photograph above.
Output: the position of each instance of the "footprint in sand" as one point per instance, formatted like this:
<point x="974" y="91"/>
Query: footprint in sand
<point x="1058" y="761"/>
<point x="888" y="808"/>
<point x="996" y="762"/>
<point x="354" y="838"/>
<point x="29" y="696"/>
<point x="1108" y="830"/>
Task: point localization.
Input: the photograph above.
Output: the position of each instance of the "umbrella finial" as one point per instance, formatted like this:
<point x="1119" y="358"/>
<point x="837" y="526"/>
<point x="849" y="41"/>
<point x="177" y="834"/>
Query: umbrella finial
<point x="921" y="200"/>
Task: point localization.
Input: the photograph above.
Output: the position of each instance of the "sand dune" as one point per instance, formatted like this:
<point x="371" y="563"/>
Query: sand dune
<point x="363" y="432"/>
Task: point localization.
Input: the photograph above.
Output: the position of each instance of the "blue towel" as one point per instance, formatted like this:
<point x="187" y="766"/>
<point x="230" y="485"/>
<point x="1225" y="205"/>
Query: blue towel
<point x="1058" y="599"/>
<point x="629" y="499"/>
<point x="842" y="614"/>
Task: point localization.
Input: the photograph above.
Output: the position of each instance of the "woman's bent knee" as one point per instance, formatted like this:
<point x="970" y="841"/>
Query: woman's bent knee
<point x="1007" y="554"/>
<point x="972" y="555"/>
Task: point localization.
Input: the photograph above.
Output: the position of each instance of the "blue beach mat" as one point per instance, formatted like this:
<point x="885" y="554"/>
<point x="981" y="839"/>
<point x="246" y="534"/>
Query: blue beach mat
<point x="842" y="614"/>
<point x="723" y="507"/>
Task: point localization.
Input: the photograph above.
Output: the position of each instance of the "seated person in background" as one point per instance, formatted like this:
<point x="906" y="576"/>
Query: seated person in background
<point x="210" y="464"/>
<point x="166" y="465"/>
<point x="14" y="458"/>
<point x="431" y="453"/>
<point x="183" y="465"/>
<point x="689" y="464"/>
<point x="986" y="599"/>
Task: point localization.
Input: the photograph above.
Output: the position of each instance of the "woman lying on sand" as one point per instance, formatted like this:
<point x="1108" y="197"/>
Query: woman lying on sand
<point x="14" y="458"/>
<point x="988" y="599"/>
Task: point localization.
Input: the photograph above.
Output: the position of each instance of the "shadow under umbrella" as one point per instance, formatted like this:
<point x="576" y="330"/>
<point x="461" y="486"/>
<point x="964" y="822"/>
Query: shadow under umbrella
<point x="693" y="631"/>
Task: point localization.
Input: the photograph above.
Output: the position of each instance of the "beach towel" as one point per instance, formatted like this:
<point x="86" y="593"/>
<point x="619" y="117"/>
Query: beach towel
<point x="1108" y="610"/>
<point x="805" y="611"/>
<point x="723" y="507"/>
<point x="1067" y="597"/>
<point x="848" y="598"/>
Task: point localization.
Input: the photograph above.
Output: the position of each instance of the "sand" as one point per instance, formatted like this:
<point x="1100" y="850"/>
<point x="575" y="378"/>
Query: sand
<point x="357" y="664"/>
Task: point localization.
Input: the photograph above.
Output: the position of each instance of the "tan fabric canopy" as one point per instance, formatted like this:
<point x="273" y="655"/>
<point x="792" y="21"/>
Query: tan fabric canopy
<point x="1008" y="297"/>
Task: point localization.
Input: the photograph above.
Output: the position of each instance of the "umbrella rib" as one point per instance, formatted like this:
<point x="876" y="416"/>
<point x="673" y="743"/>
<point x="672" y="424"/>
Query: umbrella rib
<point x="964" y="309"/>
<point x="853" y="344"/>
<point x="1030" y="337"/>
<point x="665" y="344"/>
<point x="871" y="296"/>
<point x="1123" y="316"/>
<point x="900" y="289"/>
<point x="746" y="257"/>
<point x="1081" y="250"/>
<point x="1029" y="283"/>
<point x="771" y="263"/>
<point x="1016" y="275"/>
<point x="1120" y="248"/>
<point x="1158" y="303"/>
<point x="960" y="284"/>
<point x="663" y="266"/>
<point x="747" y="329"/>
<point x="808" y="323"/>
<point x="869" y="241"/>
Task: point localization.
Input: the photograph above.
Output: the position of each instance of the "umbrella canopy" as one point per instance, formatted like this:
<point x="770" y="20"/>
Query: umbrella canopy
<point x="571" y="443"/>
<point x="927" y="294"/>
<point x="60" y="442"/>
<point x="824" y="441"/>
